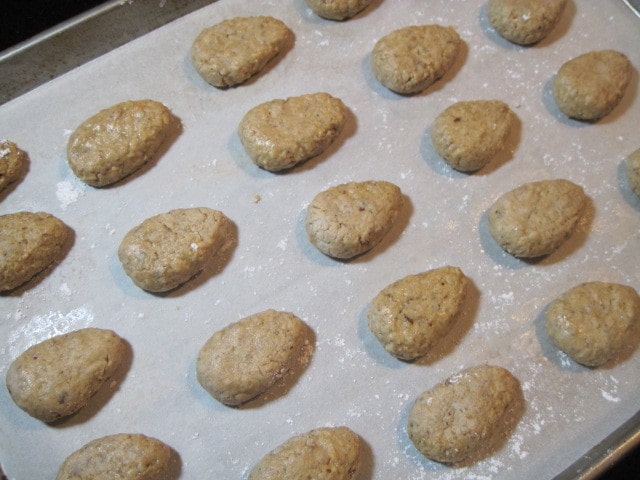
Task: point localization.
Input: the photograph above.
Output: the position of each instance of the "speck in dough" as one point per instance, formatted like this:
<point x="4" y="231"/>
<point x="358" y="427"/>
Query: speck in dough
<point x="247" y="357"/>
<point x="593" y="321"/>
<point x="280" y="134"/>
<point x="352" y="218"/>
<point x="123" y="456"/>
<point x="58" y="376"/>
<point x="409" y="316"/>
<point x="469" y="134"/>
<point x="330" y="453"/>
<point x="117" y="141"/>
<point x="410" y="59"/>
<point x="590" y="86"/>
<point x="234" y="50"/>
<point x="536" y="218"/>
<point x="525" y="21"/>
<point x="467" y="415"/>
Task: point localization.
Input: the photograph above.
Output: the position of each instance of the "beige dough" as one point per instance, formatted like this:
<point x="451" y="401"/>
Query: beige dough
<point x="320" y="454"/>
<point x="466" y="415"/>
<point x="536" y="218"/>
<point x="525" y="21"/>
<point x="590" y="86"/>
<point x="410" y="59"/>
<point x="593" y="321"/>
<point x="234" y="50"/>
<point x="352" y="218"/>
<point x="468" y="135"/>
<point x="338" y="9"/>
<point x="633" y="171"/>
<point x="168" y="249"/>
<point x="409" y="316"/>
<point x="58" y="376"/>
<point x="244" y="359"/>
<point x="117" y="141"/>
<point x="280" y="134"/>
<point x="12" y="163"/>
<point x="29" y="243"/>
<point x="123" y="456"/>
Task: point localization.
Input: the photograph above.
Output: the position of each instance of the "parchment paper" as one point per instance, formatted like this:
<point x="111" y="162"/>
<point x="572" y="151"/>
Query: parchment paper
<point x="350" y="380"/>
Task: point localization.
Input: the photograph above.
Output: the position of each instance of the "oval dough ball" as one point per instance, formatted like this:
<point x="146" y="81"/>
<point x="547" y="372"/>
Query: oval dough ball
<point x="322" y="454"/>
<point x="536" y="218"/>
<point x="633" y="171"/>
<point x="467" y="135"/>
<point x="29" y="243"/>
<point x="352" y="218"/>
<point x="244" y="359"/>
<point x="234" y="50"/>
<point x="590" y="86"/>
<point x="409" y="316"/>
<point x="58" y="376"/>
<point x="466" y="415"/>
<point x="593" y="321"/>
<point x="525" y="21"/>
<point x="117" y="141"/>
<point x="410" y="59"/>
<point x="280" y="134"/>
<point x="125" y="456"/>
<point x="338" y="9"/>
<point x="12" y="163"/>
<point x="168" y="249"/>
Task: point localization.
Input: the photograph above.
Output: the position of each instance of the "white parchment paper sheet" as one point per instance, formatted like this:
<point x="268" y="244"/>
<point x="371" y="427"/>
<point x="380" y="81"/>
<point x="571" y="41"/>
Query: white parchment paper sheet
<point x="350" y="380"/>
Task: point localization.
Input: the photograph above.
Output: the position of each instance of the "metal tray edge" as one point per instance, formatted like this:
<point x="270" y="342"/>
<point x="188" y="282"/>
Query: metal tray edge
<point x="83" y="38"/>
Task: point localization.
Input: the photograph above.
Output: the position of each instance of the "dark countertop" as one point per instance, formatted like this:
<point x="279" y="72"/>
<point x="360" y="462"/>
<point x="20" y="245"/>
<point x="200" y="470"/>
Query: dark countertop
<point x="24" y="19"/>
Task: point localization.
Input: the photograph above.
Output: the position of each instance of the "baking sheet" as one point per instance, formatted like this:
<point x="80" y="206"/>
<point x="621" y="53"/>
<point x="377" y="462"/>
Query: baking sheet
<point x="350" y="380"/>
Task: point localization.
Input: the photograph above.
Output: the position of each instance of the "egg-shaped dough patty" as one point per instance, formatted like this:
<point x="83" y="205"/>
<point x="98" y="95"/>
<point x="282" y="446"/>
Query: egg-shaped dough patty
<point x="245" y="358"/>
<point x="409" y="316"/>
<point x="466" y="415"/>
<point x="117" y="141"/>
<point x="58" y="376"/>
<point x="593" y="321"/>
<point x="168" y="249"/>
<point x="329" y="453"/>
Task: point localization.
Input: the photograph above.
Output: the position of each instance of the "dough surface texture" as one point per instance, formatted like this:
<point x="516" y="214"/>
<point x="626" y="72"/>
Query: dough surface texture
<point x="12" y="163"/>
<point x="244" y="359"/>
<point x="466" y="415"/>
<point x="350" y="219"/>
<point x="117" y="141"/>
<point x="29" y="243"/>
<point x="168" y="249"/>
<point x="410" y="59"/>
<point x="525" y="21"/>
<point x="536" y="218"/>
<point x="58" y="376"/>
<point x="593" y="321"/>
<point x="590" y="86"/>
<point x="409" y="316"/>
<point x="633" y="171"/>
<point x="469" y="134"/>
<point x="338" y="9"/>
<point x="234" y="50"/>
<point x="280" y="134"/>
<point x="321" y="454"/>
<point x="123" y="456"/>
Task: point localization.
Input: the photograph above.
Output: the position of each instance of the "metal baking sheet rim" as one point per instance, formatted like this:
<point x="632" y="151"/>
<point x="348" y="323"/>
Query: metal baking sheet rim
<point x="22" y="62"/>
